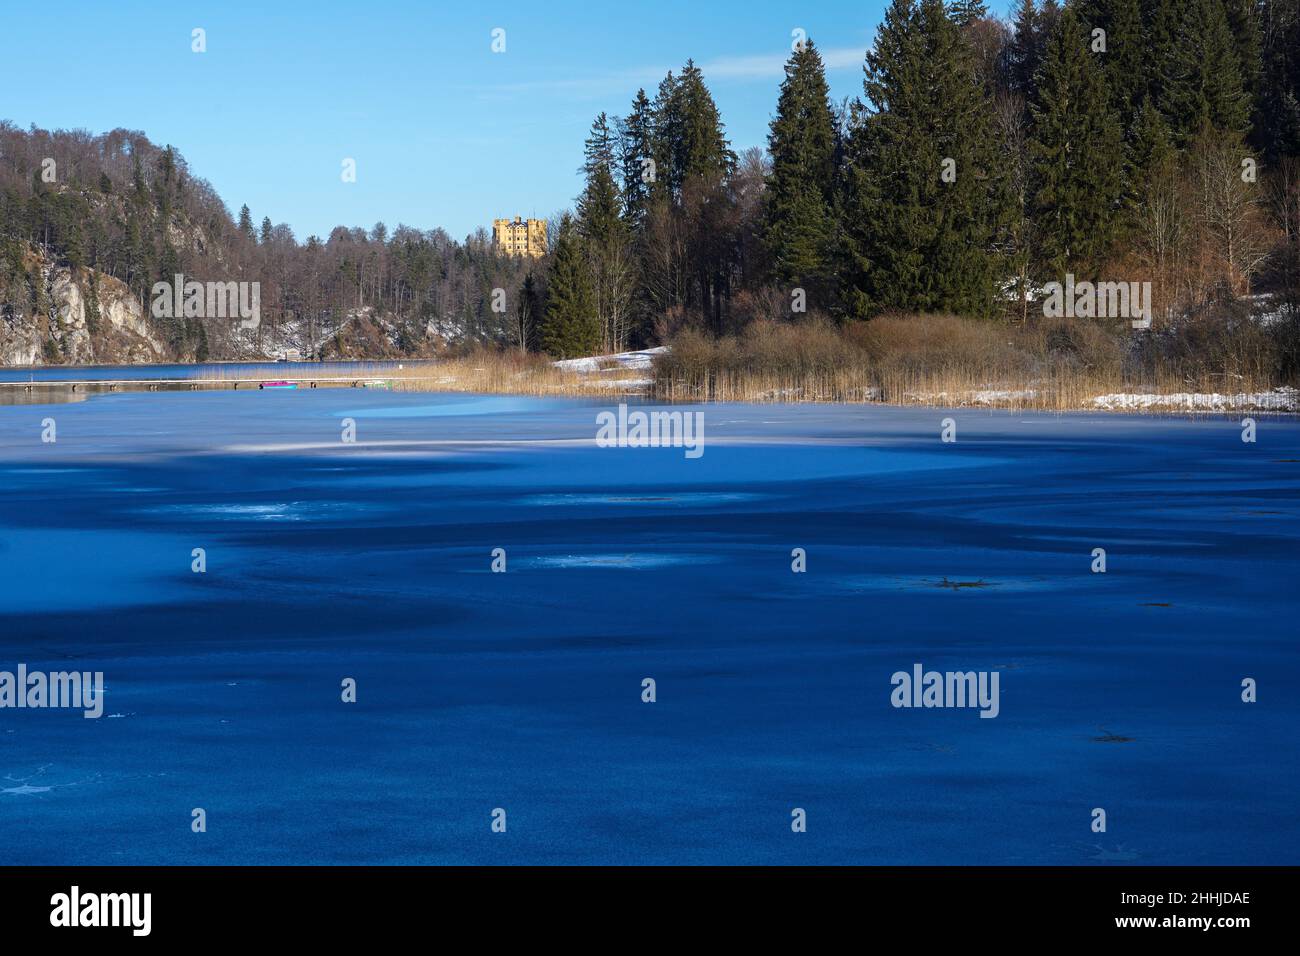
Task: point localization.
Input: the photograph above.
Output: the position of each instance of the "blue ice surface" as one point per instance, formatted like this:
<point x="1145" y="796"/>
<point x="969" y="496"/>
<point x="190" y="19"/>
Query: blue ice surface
<point x="522" y="690"/>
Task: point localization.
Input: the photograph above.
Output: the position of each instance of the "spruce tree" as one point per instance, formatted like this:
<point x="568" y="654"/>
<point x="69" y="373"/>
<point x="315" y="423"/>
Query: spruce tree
<point x="924" y="203"/>
<point x="636" y="146"/>
<point x="1124" y="60"/>
<point x="665" y="146"/>
<point x="966" y="12"/>
<point x="1279" y="94"/>
<point x="1049" y="14"/>
<point x="606" y="237"/>
<point x="530" y="310"/>
<point x="1160" y="19"/>
<point x="1243" y="23"/>
<point x="1154" y="154"/>
<point x="1205" y="82"/>
<point x="570" y="328"/>
<point x="246" y="223"/>
<point x="1024" y="51"/>
<point x="701" y="148"/>
<point x="1078" y="162"/>
<point x="798" y="226"/>
<point x="600" y="146"/>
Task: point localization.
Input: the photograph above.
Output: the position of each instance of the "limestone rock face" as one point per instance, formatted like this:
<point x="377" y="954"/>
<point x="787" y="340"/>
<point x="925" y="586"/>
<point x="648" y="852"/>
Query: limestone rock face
<point x="68" y="327"/>
<point x="81" y="317"/>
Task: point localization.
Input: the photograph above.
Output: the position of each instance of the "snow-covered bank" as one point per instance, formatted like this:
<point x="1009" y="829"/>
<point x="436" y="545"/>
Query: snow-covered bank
<point x="609" y="371"/>
<point x="640" y="360"/>
<point x="1278" y="400"/>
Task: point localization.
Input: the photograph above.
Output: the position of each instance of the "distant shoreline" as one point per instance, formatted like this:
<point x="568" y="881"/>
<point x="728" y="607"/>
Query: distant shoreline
<point x="615" y="377"/>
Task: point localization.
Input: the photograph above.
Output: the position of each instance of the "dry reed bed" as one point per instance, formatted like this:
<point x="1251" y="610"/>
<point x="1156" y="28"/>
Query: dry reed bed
<point x="1060" y="365"/>
<point x="933" y="360"/>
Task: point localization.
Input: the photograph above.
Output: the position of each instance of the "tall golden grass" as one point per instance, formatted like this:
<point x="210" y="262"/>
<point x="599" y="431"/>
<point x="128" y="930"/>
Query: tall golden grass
<point x="483" y="370"/>
<point x="1056" y="365"/>
<point x="514" y="373"/>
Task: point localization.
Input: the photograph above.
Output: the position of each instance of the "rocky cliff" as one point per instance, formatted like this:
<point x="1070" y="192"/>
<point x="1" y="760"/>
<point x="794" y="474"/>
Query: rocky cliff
<point x="76" y="317"/>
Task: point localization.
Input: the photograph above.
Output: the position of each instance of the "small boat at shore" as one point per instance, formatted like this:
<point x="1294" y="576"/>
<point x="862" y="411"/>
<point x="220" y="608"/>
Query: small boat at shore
<point x="377" y="383"/>
<point x="277" y="385"/>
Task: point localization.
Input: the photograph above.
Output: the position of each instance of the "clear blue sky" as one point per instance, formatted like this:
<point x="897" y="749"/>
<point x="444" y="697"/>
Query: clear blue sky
<point x="444" y="132"/>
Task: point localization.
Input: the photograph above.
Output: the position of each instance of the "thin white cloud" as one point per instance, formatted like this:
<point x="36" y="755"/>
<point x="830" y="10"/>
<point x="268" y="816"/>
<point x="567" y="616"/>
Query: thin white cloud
<point x="763" y="66"/>
<point x="767" y="65"/>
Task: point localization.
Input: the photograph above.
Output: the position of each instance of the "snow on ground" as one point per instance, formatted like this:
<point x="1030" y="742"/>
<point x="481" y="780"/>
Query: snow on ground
<point x="1268" y="311"/>
<point x="624" y="383"/>
<point x="615" y="362"/>
<point x="1279" y="399"/>
<point x="990" y="396"/>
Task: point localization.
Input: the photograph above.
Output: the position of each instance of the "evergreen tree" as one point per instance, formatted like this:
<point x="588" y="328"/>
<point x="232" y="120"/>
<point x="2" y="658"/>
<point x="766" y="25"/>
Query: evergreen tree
<point x="924" y="202"/>
<point x="688" y="130"/>
<point x="966" y="12"/>
<point x="1124" y="60"/>
<point x="703" y="148"/>
<point x="666" y="123"/>
<point x="570" y="328"/>
<point x="137" y="178"/>
<point x="530" y="310"/>
<point x="636" y="146"/>
<point x="1154" y="153"/>
<point x="266" y="230"/>
<point x="606" y="237"/>
<point x="246" y="223"/>
<point x="1049" y="14"/>
<point x="1078" y="163"/>
<point x="798" y="223"/>
<point x="600" y="146"/>
<point x="1279" y="96"/>
<point x="1205" y="83"/>
<point x="1160" y="20"/>
<point x="1024" y="52"/>
<point x="1243" y="24"/>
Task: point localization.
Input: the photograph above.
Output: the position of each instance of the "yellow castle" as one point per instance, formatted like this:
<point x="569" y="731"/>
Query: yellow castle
<point x="520" y="237"/>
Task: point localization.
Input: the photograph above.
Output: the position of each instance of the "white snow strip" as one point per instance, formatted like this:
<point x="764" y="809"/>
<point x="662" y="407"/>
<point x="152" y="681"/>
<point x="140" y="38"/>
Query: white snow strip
<point x="623" y="360"/>
<point x="1280" y="399"/>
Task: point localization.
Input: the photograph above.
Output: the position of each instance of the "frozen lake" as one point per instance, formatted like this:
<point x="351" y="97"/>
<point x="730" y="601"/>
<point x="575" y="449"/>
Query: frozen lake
<point x="522" y="690"/>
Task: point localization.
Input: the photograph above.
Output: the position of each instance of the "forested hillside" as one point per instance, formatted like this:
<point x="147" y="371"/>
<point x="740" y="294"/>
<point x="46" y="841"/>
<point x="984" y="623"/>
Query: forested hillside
<point x="128" y="213"/>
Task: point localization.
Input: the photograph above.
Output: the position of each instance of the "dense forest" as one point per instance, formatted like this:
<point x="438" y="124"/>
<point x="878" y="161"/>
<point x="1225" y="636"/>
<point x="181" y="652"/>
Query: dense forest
<point x="1153" y="140"/>
<point x="1124" y="140"/>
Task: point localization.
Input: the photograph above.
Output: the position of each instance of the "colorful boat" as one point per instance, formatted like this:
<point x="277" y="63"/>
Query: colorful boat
<point x="277" y="385"/>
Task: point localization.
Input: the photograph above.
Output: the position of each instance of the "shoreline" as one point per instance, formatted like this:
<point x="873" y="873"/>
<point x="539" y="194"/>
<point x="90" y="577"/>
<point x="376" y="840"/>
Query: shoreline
<point x="1280" y="401"/>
